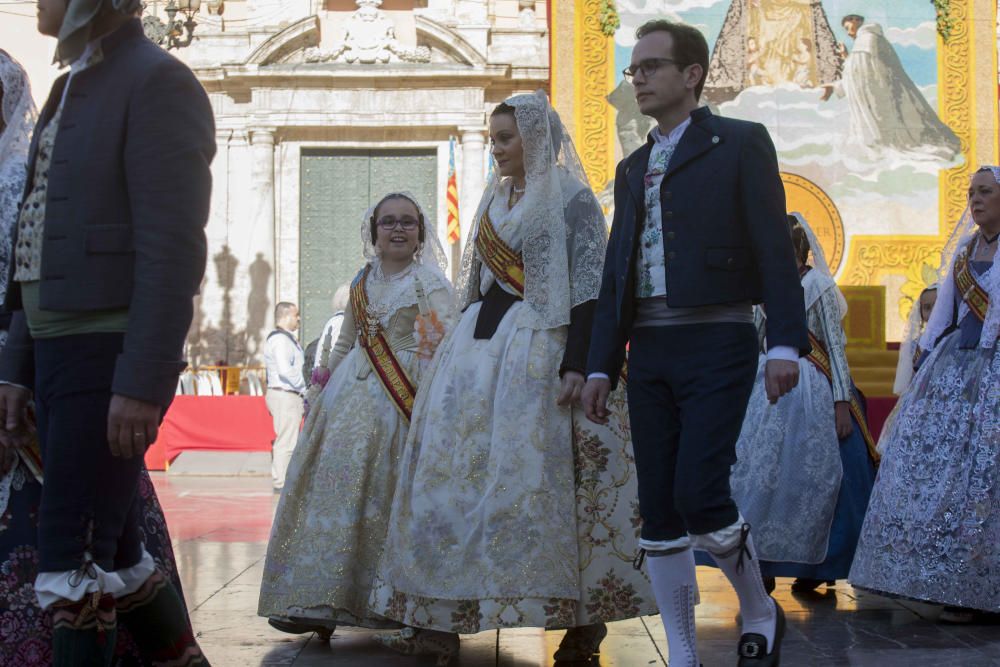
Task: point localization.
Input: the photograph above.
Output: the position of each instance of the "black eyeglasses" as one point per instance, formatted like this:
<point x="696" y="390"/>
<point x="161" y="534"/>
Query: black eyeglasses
<point x="388" y="224"/>
<point x="648" y="67"/>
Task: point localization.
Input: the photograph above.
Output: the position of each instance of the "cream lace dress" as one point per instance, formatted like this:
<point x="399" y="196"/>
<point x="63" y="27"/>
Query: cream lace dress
<point x="330" y="524"/>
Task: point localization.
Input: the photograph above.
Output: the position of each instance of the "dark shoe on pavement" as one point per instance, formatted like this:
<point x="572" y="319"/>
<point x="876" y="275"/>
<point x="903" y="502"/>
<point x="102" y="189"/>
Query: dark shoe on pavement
<point x="804" y="585"/>
<point x="581" y="643"/>
<point x="300" y="627"/>
<point x="753" y="649"/>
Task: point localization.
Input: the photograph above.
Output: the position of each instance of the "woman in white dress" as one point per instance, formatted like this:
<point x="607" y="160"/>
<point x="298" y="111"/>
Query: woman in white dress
<point x="330" y="524"/>
<point x="909" y="344"/>
<point x="933" y="530"/>
<point x="512" y="509"/>
<point x="806" y="464"/>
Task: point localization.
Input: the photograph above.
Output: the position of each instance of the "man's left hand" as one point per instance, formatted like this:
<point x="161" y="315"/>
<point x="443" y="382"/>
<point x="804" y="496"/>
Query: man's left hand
<point x="132" y="426"/>
<point x="780" y="377"/>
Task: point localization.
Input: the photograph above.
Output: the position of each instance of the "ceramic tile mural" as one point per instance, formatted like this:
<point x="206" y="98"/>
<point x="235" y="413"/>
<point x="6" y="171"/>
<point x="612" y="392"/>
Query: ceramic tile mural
<point x="849" y="92"/>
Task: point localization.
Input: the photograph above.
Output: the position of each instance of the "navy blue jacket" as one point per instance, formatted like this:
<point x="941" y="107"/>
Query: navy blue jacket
<point x="725" y="236"/>
<point x="128" y="196"/>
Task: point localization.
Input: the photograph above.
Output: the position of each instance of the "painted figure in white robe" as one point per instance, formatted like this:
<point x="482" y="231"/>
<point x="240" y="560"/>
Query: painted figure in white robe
<point x="887" y="109"/>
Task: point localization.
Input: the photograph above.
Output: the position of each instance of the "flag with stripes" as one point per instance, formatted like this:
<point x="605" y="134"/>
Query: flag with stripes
<point x="454" y="230"/>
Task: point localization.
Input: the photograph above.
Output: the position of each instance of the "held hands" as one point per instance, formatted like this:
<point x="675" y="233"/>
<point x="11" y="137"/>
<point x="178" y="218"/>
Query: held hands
<point x="780" y="377"/>
<point x="595" y="400"/>
<point x="842" y="414"/>
<point x="132" y="426"/>
<point x="572" y="386"/>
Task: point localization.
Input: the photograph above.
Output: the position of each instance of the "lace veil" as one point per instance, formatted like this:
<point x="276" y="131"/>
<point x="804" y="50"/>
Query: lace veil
<point x="18" y="112"/>
<point x="908" y="345"/>
<point x="565" y="233"/>
<point x="820" y="267"/>
<point x="941" y="316"/>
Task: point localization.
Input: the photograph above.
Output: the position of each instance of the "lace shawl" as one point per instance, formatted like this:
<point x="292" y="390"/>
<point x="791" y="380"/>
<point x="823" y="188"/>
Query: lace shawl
<point x="962" y="240"/>
<point x="562" y="225"/>
<point x="18" y="112"/>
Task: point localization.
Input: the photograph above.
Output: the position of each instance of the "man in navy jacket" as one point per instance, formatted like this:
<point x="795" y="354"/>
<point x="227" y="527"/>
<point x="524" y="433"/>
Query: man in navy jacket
<point x="109" y="252"/>
<point x="699" y="235"/>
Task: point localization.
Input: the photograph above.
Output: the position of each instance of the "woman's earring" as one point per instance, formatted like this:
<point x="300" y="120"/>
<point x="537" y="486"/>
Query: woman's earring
<point x="419" y="252"/>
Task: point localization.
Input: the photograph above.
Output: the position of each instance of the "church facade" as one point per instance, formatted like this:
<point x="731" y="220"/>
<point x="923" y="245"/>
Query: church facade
<point x="321" y="107"/>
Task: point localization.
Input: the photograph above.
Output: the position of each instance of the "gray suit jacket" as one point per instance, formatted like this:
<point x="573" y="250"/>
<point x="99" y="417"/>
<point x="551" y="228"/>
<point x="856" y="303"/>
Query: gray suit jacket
<point x="127" y="202"/>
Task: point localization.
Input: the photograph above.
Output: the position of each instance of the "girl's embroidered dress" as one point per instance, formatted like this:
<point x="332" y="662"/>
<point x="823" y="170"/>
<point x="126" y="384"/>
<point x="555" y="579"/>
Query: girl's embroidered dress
<point x="330" y="526"/>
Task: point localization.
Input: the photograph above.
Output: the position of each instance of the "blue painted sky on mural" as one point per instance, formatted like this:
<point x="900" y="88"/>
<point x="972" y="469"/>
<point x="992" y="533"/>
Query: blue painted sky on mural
<point x="909" y="25"/>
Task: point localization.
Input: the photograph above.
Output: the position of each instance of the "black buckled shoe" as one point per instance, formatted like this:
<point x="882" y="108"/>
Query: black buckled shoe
<point x="753" y="648"/>
<point x="300" y="626"/>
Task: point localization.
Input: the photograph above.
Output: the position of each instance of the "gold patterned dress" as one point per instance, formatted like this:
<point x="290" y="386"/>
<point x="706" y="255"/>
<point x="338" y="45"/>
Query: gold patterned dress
<point x="330" y="523"/>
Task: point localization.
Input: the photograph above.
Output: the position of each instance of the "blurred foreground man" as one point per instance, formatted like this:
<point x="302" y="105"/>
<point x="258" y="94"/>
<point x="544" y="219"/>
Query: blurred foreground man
<point x="109" y="249"/>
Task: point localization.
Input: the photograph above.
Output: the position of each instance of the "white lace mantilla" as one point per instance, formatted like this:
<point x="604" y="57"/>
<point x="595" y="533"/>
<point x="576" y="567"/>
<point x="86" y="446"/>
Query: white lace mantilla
<point x="559" y="220"/>
<point x="18" y="113"/>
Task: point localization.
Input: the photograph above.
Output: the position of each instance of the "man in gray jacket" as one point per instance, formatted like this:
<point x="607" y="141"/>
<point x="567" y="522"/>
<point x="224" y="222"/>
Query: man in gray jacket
<point x="109" y="250"/>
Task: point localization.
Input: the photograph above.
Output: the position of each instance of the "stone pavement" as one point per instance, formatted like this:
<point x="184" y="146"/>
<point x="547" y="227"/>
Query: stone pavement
<point x="220" y="527"/>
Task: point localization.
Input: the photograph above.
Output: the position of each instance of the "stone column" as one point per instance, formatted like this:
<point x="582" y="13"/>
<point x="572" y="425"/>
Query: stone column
<point x="473" y="182"/>
<point x="259" y="248"/>
<point x="207" y="340"/>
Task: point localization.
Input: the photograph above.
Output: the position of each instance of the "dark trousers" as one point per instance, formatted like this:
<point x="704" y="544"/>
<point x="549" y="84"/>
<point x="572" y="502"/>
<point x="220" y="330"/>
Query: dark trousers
<point x="89" y="500"/>
<point x="688" y="389"/>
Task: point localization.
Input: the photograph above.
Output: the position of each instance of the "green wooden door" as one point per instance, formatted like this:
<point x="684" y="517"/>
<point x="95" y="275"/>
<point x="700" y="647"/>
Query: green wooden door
<point x="337" y="188"/>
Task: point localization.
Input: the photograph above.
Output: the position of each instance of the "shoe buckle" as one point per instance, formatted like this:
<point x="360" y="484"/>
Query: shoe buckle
<point x="751" y="649"/>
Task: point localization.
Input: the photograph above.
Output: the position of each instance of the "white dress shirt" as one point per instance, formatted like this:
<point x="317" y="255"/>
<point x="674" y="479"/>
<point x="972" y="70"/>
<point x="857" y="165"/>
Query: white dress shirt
<point x="283" y="358"/>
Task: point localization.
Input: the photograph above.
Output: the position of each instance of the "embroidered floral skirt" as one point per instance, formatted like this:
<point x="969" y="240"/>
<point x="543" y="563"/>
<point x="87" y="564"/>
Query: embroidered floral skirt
<point x="932" y="531"/>
<point x="510" y="511"/>
<point x="331" y="520"/>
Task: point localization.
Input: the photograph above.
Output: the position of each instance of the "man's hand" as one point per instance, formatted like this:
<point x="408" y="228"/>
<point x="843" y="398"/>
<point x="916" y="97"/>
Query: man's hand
<point x="842" y="413"/>
<point x="827" y="92"/>
<point x="132" y="426"/>
<point x="780" y="377"/>
<point x="572" y="385"/>
<point x="595" y="400"/>
<point x="15" y="422"/>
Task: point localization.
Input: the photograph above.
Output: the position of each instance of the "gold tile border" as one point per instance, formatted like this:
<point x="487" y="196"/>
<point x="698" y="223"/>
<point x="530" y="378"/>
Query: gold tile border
<point x="967" y="99"/>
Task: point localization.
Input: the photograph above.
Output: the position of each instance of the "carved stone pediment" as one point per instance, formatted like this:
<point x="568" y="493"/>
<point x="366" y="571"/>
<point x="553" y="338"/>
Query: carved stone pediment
<point x="369" y="38"/>
<point x="299" y="43"/>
